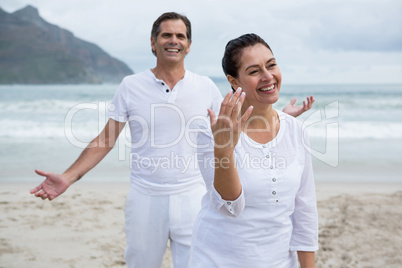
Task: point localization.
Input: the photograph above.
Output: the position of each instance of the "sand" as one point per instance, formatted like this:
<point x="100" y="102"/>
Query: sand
<point x="360" y="226"/>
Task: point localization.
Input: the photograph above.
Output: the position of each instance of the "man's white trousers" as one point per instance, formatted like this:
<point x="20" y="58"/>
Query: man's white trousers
<point x="150" y="221"/>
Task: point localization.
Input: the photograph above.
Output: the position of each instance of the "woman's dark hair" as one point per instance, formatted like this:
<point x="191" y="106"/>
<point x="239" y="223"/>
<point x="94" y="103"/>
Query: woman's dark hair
<point x="233" y="50"/>
<point x="156" y="27"/>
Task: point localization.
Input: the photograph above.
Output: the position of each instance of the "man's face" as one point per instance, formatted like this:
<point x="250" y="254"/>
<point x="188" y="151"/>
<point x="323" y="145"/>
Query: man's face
<point x="171" y="44"/>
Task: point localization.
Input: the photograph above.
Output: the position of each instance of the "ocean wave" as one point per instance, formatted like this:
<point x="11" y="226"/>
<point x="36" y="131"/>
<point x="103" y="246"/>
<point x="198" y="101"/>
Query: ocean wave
<point x="356" y="130"/>
<point x="88" y="129"/>
<point x="44" y="106"/>
<point x="29" y="129"/>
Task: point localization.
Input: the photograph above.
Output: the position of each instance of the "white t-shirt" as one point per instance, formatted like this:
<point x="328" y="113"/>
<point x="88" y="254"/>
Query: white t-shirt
<point x="162" y="124"/>
<point x="276" y="213"/>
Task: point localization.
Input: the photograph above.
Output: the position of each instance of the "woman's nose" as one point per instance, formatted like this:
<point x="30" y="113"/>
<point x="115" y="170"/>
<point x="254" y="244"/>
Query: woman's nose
<point x="267" y="75"/>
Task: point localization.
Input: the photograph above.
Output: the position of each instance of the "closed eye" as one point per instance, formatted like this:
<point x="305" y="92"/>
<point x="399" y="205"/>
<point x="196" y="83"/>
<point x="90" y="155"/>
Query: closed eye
<point x="272" y="65"/>
<point x="253" y="72"/>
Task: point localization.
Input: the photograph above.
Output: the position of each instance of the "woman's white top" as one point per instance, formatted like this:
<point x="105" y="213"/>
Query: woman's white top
<point x="276" y="214"/>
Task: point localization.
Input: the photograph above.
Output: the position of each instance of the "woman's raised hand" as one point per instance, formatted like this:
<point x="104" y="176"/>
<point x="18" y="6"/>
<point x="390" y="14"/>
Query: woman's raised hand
<point x="227" y="128"/>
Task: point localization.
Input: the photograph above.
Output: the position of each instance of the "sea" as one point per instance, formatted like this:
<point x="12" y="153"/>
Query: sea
<point x="355" y="130"/>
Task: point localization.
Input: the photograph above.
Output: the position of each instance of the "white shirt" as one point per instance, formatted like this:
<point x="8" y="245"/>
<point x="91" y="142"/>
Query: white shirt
<point x="276" y="213"/>
<point x="162" y="123"/>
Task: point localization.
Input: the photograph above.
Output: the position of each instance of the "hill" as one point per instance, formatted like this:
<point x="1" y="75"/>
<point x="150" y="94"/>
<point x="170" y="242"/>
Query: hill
<point x="33" y="51"/>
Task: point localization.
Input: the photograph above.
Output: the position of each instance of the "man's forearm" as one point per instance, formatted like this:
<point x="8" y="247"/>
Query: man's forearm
<point x="96" y="150"/>
<point x="89" y="158"/>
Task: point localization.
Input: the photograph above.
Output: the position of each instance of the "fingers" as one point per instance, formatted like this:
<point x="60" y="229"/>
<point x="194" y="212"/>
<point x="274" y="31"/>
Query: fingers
<point x="41" y="194"/>
<point x="237" y="108"/>
<point x="245" y="116"/>
<point x="212" y="117"/>
<point x="293" y="101"/>
<point x="232" y="105"/>
<point x="36" y="189"/>
<point x="226" y="126"/>
<point x="310" y="101"/>
<point x="225" y="103"/>
<point x="39" y="191"/>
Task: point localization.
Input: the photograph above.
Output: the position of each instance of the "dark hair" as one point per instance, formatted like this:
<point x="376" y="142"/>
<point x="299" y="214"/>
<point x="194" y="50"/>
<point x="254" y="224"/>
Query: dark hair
<point x="156" y="27"/>
<point x="233" y="50"/>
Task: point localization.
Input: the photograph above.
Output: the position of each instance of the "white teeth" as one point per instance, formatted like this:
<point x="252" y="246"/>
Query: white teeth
<point x="268" y="88"/>
<point x="173" y="50"/>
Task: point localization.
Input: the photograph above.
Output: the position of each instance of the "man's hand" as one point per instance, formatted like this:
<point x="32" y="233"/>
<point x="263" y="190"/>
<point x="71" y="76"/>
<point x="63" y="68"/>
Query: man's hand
<point x="296" y="110"/>
<point x="53" y="186"/>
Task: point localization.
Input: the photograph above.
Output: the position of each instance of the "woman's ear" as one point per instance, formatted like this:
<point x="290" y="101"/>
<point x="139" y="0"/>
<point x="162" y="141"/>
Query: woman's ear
<point x="233" y="81"/>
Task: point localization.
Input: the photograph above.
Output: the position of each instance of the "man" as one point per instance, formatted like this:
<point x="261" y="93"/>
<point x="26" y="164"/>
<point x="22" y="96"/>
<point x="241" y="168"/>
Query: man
<point x="162" y="106"/>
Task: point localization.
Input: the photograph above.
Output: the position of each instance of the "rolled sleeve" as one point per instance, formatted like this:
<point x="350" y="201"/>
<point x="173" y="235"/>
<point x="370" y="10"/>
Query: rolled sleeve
<point x="205" y="158"/>
<point x="227" y="207"/>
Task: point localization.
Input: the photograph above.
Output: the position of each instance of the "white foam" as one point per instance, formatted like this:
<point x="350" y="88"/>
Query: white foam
<point x="31" y="129"/>
<point x="37" y="106"/>
<point x="358" y="130"/>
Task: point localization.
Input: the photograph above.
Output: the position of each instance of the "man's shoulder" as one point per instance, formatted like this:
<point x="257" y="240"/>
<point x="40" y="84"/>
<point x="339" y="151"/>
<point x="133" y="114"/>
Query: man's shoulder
<point x="137" y="80"/>
<point x="141" y="75"/>
<point x="192" y="75"/>
<point x="201" y="82"/>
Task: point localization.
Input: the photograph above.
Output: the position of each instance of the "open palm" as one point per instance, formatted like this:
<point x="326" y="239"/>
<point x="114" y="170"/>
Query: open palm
<point x="53" y="186"/>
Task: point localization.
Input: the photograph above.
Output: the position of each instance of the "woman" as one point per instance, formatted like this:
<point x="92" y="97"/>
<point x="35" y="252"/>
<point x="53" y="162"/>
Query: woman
<point x="260" y="209"/>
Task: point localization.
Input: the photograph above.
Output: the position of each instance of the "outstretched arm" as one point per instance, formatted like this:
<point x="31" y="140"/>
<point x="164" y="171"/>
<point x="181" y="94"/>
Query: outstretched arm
<point x="56" y="184"/>
<point x="296" y="110"/>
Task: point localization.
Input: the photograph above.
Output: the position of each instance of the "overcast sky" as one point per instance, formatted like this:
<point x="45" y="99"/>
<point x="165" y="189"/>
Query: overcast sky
<point x="314" y="41"/>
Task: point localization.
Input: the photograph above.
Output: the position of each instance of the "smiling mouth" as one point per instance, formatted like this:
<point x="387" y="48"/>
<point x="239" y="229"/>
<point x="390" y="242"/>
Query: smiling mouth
<point x="174" y="50"/>
<point x="266" y="89"/>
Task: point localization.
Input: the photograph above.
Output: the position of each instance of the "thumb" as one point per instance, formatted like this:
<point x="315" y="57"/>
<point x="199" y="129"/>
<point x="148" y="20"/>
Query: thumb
<point x="41" y="173"/>
<point x="293" y="101"/>
<point x="212" y="117"/>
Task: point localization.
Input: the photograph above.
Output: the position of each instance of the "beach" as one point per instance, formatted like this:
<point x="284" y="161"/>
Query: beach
<point x="356" y="140"/>
<point x="359" y="226"/>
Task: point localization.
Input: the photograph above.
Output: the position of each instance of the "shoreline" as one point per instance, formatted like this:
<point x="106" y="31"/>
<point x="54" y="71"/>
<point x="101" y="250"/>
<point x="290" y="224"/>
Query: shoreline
<point x="324" y="189"/>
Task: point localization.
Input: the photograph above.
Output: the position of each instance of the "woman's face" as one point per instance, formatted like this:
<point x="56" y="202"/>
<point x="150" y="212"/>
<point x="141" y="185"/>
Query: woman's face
<point x="258" y="75"/>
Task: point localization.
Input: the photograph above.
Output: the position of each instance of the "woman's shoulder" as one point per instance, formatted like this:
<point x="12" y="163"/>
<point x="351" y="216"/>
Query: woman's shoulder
<point x="291" y="128"/>
<point x="288" y="120"/>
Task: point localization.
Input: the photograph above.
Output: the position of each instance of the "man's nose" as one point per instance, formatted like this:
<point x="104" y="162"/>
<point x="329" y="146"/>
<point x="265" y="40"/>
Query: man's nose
<point x="174" y="39"/>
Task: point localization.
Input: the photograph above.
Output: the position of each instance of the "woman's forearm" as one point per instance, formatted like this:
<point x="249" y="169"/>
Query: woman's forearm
<point x="226" y="180"/>
<point x="306" y="259"/>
